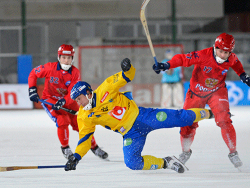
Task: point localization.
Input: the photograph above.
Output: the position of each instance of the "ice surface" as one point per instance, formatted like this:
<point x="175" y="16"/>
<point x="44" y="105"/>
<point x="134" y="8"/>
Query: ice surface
<point x="29" y="138"/>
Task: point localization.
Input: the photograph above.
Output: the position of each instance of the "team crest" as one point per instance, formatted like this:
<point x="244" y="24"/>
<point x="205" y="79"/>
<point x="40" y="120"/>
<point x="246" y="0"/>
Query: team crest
<point x="61" y="91"/>
<point x="117" y="112"/>
<point x="211" y="82"/>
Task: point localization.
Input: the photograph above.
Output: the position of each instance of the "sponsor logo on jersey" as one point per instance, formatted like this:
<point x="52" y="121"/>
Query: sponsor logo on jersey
<point x="153" y="167"/>
<point x="211" y="82"/>
<point x="67" y="83"/>
<point x="105" y="109"/>
<point x="224" y="72"/>
<point x="122" y="129"/>
<point x="161" y="116"/>
<point x="202" y="88"/>
<point x="104" y="97"/>
<point x="117" y="112"/>
<point x="127" y="142"/>
<point x="91" y="114"/>
<point x="203" y="113"/>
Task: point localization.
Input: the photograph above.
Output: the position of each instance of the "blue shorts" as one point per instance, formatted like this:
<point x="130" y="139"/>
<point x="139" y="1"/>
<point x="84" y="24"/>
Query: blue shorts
<point x="150" y="119"/>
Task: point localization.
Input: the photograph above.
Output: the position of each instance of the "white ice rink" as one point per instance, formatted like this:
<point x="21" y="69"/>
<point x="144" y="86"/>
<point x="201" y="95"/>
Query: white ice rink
<point x="29" y="138"/>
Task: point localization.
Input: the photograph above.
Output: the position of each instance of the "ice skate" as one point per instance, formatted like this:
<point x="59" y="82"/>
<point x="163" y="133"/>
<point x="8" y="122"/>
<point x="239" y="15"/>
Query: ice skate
<point x="184" y="156"/>
<point x="99" y="152"/>
<point x="174" y="164"/>
<point x="66" y="152"/>
<point x="234" y="158"/>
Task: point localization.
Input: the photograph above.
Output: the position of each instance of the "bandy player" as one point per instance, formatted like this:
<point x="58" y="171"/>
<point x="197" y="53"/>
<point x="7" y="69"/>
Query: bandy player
<point x="60" y="77"/>
<point x="207" y="86"/>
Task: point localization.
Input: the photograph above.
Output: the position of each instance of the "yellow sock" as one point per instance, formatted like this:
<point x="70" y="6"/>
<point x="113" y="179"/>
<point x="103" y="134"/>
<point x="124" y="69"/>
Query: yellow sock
<point x="200" y="113"/>
<point x="152" y="163"/>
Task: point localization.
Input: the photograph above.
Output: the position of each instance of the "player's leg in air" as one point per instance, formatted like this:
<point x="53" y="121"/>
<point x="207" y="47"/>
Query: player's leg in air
<point x="134" y="140"/>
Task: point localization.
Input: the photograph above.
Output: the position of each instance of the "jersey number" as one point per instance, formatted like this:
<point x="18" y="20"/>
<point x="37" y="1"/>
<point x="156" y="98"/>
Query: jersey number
<point x="207" y="69"/>
<point x="53" y="80"/>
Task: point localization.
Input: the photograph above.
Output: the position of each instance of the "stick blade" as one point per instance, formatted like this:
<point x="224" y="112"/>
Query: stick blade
<point x="11" y="168"/>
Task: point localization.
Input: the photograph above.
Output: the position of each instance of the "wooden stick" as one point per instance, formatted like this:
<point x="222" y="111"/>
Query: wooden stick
<point x="145" y="26"/>
<point x="11" y="168"/>
<point x="65" y="109"/>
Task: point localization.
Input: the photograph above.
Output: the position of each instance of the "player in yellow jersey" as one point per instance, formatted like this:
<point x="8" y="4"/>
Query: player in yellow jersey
<point x="117" y="111"/>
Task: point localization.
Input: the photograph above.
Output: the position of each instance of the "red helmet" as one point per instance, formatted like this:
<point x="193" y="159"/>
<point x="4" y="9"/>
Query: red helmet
<point x="65" y="49"/>
<point x="225" y="42"/>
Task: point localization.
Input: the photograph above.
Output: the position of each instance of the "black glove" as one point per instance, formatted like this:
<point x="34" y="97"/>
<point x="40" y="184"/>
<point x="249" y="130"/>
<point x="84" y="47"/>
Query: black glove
<point x="33" y="94"/>
<point x="161" y="67"/>
<point x="71" y="164"/>
<point x="126" y="64"/>
<point x="59" y="104"/>
<point x="245" y="78"/>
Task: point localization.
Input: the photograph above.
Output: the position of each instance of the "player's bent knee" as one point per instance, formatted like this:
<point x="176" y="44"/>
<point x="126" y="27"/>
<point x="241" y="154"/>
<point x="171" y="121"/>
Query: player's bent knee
<point x="224" y="124"/>
<point x="134" y="164"/>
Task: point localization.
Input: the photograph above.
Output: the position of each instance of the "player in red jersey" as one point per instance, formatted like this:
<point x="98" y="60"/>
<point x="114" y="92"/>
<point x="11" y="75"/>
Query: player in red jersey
<point x="60" y="77"/>
<point x="207" y="86"/>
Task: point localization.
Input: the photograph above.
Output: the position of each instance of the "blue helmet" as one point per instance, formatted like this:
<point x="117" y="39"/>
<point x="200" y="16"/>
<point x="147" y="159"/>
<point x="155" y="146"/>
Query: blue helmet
<point x="80" y="88"/>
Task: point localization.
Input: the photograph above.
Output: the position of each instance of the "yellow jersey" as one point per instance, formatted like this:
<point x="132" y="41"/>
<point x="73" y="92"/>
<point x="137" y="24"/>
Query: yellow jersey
<point x="112" y="109"/>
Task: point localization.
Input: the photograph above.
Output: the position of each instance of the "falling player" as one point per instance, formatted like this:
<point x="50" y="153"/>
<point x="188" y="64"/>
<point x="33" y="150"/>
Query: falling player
<point x="117" y="111"/>
<point x="207" y="86"/>
<point x="59" y="79"/>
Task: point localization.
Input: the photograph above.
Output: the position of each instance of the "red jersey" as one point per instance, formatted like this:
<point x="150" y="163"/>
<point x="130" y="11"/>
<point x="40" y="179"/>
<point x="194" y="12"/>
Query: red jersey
<point x="208" y="75"/>
<point x="58" y="82"/>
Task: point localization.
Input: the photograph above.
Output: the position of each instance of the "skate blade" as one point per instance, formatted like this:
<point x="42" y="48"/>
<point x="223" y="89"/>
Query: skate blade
<point x="177" y="160"/>
<point x="239" y="169"/>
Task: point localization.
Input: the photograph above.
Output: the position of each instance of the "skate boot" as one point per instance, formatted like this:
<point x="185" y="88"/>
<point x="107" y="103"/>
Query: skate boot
<point x="234" y="158"/>
<point x="184" y="156"/>
<point x="66" y="152"/>
<point x="99" y="152"/>
<point x="174" y="164"/>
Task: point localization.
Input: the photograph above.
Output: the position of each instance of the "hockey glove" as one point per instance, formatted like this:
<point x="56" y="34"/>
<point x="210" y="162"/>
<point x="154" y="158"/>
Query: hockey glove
<point x="245" y="78"/>
<point x="125" y="64"/>
<point x="71" y="164"/>
<point x="59" y="104"/>
<point x="33" y="94"/>
<point x="161" y="67"/>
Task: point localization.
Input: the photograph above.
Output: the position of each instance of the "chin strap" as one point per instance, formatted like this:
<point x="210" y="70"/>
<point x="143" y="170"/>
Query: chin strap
<point x="89" y="105"/>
